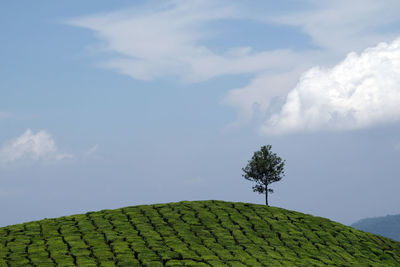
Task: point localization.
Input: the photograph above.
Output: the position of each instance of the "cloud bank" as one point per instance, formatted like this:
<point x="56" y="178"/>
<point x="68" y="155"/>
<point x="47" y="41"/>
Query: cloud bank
<point x="334" y="27"/>
<point x="31" y="146"/>
<point x="361" y="91"/>
<point x="169" y="39"/>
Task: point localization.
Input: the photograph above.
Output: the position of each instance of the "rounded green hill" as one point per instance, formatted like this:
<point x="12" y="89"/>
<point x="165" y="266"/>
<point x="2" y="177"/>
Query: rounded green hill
<point x="198" y="233"/>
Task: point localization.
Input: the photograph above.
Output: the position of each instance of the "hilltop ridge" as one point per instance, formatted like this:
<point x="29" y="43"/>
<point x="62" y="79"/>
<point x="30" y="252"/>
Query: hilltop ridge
<point x="197" y="233"/>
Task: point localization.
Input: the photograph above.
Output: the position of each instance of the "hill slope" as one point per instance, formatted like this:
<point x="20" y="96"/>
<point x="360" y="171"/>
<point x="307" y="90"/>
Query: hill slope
<point x="388" y="226"/>
<point x="199" y="233"/>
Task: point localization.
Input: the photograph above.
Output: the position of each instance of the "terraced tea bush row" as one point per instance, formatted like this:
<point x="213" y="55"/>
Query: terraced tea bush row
<point x="199" y="233"/>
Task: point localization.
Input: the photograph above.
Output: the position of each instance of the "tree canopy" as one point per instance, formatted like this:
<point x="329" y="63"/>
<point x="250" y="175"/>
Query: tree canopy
<point x="264" y="168"/>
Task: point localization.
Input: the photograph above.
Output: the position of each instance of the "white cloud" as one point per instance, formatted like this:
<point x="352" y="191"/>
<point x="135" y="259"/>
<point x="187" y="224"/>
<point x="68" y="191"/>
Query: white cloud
<point x="339" y="26"/>
<point x="166" y="40"/>
<point x="334" y="27"/>
<point x="361" y="91"/>
<point x="39" y="146"/>
<point x="256" y="97"/>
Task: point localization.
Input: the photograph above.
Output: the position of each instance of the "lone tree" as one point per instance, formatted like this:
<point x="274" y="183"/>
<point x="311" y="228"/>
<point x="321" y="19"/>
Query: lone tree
<point x="264" y="168"/>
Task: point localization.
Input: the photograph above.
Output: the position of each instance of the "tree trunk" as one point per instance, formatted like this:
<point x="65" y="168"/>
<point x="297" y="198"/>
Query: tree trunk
<point x="266" y="195"/>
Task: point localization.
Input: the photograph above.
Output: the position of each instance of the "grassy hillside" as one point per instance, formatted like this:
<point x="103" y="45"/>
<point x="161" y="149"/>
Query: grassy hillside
<point x="388" y="226"/>
<point x="200" y="233"/>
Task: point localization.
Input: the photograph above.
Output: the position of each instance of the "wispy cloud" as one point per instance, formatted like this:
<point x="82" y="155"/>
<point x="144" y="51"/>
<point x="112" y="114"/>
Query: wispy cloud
<point x="91" y="151"/>
<point x="255" y="99"/>
<point x="6" y="115"/>
<point x="31" y="146"/>
<point x="167" y="40"/>
<point x="340" y="27"/>
<point x="361" y="91"/>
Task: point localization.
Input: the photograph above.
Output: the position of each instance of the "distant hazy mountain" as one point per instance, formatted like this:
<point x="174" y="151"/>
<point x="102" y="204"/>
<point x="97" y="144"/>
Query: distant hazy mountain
<point x="388" y="226"/>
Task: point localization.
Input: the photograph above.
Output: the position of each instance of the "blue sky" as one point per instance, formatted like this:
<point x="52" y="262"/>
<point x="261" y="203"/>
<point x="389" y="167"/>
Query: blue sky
<point x="109" y="104"/>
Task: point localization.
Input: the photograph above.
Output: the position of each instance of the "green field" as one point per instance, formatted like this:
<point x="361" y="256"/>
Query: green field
<point x="198" y="233"/>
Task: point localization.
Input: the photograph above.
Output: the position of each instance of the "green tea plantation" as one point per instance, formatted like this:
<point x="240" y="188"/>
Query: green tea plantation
<point x="198" y="233"/>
